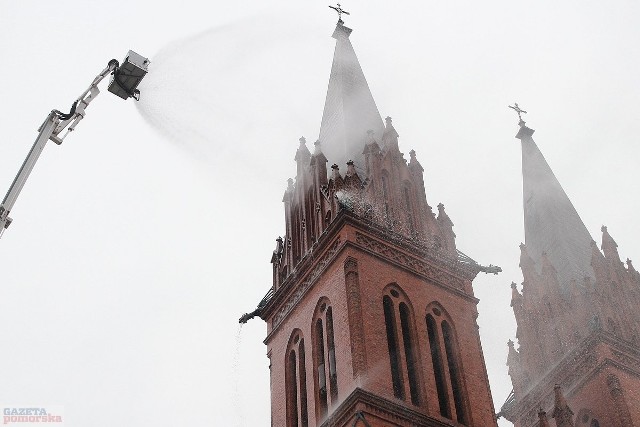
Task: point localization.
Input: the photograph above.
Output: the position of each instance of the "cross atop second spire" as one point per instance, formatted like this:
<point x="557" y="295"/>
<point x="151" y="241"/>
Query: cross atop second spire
<point x="520" y="112"/>
<point x="340" y="11"/>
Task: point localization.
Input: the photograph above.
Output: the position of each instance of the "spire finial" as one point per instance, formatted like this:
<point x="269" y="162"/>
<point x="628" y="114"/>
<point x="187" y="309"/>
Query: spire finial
<point x="340" y="11"/>
<point x="520" y="111"/>
<point x="630" y="264"/>
<point x="543" y="420"/>
<point x="370" y="137"/>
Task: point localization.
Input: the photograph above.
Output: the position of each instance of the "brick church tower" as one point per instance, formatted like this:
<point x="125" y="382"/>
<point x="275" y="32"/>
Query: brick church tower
<point x="578" y="315"/>
<point x="371" y="319"/>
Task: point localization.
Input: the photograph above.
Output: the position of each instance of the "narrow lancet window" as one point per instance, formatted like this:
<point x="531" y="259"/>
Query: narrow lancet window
<point x="333" y="372"/>
<point x="454" y="373"/>
<point x="302" y="377"/>
<point x="394" y="353"/>
<point x="324" y="361"/>
<point x="410" y="356"/>
<point x="321" y="381"/>
<point x="296" y="383"/>
<point x="292" y="390"/>
<point x="438" y="366"/>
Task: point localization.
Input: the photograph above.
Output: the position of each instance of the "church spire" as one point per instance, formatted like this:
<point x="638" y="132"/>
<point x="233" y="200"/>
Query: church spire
<point x="551" y="223"/>
<point x="349" y="109"/>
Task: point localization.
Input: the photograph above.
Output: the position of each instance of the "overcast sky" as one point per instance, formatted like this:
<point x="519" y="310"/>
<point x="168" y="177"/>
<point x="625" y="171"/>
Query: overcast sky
<point x="138" y="243"/>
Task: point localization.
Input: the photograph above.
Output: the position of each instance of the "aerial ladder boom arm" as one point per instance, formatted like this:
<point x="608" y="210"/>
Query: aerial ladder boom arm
<point x="124" y="82"/>
<point x="46" y="131"/>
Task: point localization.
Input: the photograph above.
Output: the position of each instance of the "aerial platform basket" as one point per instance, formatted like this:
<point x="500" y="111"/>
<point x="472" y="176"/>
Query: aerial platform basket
<point x="130" y="73"/>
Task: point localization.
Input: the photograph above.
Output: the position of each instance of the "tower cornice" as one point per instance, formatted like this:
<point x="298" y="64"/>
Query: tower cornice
<point x="349" y="230"/>
<point x="369" y="403"/>
<point x="574" y="370"/>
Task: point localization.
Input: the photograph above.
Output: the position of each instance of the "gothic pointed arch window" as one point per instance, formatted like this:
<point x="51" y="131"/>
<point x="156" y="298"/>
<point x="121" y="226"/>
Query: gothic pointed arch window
<point x="324" y="359"/>
<point x="438" y="366"/>
<point x="447" y="367"/>
<point x="296" y="382"/>
<point x="402" y="345"/>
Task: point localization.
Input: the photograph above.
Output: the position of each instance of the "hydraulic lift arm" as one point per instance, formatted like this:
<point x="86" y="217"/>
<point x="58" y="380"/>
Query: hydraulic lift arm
<point x="124" y="81"/>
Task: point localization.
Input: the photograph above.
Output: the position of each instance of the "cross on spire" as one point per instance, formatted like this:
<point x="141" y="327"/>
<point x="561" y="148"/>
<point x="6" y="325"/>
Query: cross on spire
<point x="518" y="110"/>
<point x="340" y="11"/>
